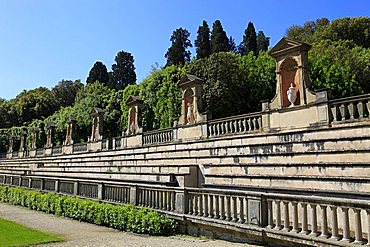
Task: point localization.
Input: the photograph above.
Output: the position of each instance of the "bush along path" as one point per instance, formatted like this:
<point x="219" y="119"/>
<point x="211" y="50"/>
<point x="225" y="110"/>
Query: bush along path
<point x="121" y="217"/>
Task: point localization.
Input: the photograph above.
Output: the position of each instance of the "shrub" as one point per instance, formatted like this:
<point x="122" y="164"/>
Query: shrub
<point x="122" y="217"/>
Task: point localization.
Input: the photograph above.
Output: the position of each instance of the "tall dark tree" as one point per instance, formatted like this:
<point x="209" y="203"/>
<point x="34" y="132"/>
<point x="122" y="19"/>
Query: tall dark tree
<point x="219" y="40"/>
<point x="203" y="42"/>
<point x="232" y="45"/>
<point x="178" y="53"/>
<point x="123" y="71"/>
<point x="99" y="73"/>
<point x="250" y="39"/>
<point x="65" y="92"/>
<point x="263" y="42"/>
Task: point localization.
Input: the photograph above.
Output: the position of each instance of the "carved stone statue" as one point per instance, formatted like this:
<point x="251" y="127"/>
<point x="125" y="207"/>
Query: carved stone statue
<point x="292" y="95"/>
<point x="22" y="146"/>
<point x="11" y="142"/>
<point x="69" y="137"/>
<point x="35" y="136"/>
<point x="49" y="136"/>
<point x="190" y="114"/>
<point x="97" y="124"/>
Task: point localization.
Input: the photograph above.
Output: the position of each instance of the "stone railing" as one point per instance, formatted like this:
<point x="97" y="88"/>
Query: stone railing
<point x="233" y="206"/>
<point x="79" y="147"/>
<point x="158" y="136"/>
<point x="235" y="125"/>
<point x="117" y="142"/>
<point x="322" y="220"/>
<point x="337" y="220"/>
<point x="2" y="155"/>
<point x="40" y="152"/>
<point x="350" y="109"/>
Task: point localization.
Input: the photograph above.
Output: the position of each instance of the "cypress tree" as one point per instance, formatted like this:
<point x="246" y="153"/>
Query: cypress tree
<point x="123" y="71"/>
<point x="99" y="73"/>
<point x="263" y="42"/>
<point x="202" y="42"/>
<point x="219" y="40"/>
<point x="178" y="53"/>
<point x="250" y="39"/>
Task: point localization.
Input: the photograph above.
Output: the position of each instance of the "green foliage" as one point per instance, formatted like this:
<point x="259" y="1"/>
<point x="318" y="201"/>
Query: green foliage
<point x="121" y="217"/>
<point x="98" y="73"/>
<point x="235" y="84"/>
<point x="219" y="40"/>
<point x="65" y="92"/>
<point x="203" y="42"/>
<point x="123" y="71"/>
<point x="178" y="53"/>
<point x="306" y="32"/>
<point x="341" y="66"/>
<point x="249" y="39"/>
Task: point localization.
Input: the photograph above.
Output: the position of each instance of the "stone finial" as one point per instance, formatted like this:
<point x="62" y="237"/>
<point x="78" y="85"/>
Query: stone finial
<point x="135" y="106"/>
<point x="50" y="134"/>
<point x="70" y="129"/>
<point x="35" y="137"/>
<point x="97" y="124"/>
<point x="23" y="144"/>
<point x="191" y="89"/>
<point x="291" y="74"/>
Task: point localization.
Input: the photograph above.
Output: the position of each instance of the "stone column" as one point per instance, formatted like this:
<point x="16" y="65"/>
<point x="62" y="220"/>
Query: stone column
<point x="313" y="221"/>
<point x="286" y="216"/>
<point x="358" y="227"/>
<point x="324" y="222"/>
<point x="278" y="215"/>
<point x="295" y="217"/>
<point x="304" y="219"/>
<point x="346" y="234"/>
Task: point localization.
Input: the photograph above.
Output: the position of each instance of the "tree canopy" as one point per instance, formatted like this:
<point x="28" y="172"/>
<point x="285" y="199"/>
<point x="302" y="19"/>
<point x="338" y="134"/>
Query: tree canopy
<point x="178" y="53"/>
<point x="219" y="40"/>
<point x="98" y="73"/>
<point x="202" y="42"/>
<point x="123" y="71"/>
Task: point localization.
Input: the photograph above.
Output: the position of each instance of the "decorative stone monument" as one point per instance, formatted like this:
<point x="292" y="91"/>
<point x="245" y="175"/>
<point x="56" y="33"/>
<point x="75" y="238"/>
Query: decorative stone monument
<point x="70" y="129"/>
<point x="35" y="137"/>
<point x="135" y="106"/>
<point x="9" y="155"/>
<point x="291" y="74"/>
<point x="50" y="134"/>
<point x="97" y="125"/>
<point x="191" y="89"/>
<point x="23" y="145"/>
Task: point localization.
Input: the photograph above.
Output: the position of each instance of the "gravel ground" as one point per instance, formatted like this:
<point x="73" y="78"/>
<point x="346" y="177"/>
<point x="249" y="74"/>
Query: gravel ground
<point x="83" y="234"/>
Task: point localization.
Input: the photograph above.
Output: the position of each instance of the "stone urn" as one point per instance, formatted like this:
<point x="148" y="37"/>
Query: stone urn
<point x="292" y="95"/>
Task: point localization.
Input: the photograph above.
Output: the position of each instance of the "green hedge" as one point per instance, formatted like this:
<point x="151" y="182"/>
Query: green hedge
<point x="122" y="217"/>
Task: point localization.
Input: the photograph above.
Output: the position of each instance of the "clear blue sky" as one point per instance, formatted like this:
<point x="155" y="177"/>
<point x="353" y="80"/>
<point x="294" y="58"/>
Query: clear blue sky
<point x="45" y="41"/>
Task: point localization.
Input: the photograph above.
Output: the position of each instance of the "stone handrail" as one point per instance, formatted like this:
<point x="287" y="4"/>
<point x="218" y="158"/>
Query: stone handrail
<point x="57" y="150"/>
<point x="158" y="136"/>
<point x="349" y="109"/>
<point x="40" y="152"/>
<point x="235" y="125"/>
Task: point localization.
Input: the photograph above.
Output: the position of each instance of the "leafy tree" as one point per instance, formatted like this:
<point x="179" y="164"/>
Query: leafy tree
<point x="65" y="92"/>
<point x="178" y="53"/>
<point x="219" y="40"/>
<point x="123" y="71"/>
<point x="203" y="42"/>
<point x="98" y="73"/>
<point x="306" y="32"/>
<point x="249" y="39"/>
<point x="263" y="42"/>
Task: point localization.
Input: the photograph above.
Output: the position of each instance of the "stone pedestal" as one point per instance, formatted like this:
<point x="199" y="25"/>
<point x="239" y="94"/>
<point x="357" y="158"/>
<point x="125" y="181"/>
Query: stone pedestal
<point x="94" y="146"/>
<point x="68" y="149"/>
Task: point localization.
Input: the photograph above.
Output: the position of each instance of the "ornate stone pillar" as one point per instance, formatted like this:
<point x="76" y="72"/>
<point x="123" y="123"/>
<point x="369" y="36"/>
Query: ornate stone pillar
<point x="135" y="106"/>
<point x="70" y="131"/>
<point x="97" y="124"/>
<point x="50" y="135"/>
<point x="23" y="145"/>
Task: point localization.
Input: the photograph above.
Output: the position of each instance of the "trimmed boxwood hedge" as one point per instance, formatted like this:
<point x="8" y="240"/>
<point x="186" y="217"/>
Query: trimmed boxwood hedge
<point x="122" y="217"/>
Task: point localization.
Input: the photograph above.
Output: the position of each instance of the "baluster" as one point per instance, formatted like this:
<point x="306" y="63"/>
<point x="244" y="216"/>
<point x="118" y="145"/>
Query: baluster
<point x="195" y="212"/>
<point x="313" y="221"/>
<point x="200" y="205"/>
<point x="205" y="198"/>
<point x="240" y="125"/>
<point x="304" y="218"/>
<point x="270" y="219"/>
<point x="217" y="129"/>
<point x="351" y="109"/>
<point x="334" y="223"/>
<point x="217" y="207"/>
<point x="286" y="216"/>
<point x="245" y="126"/>
<point x="211" y="208"/>
<point x="235" y="126"/>
<point x="346" y="235"/>
<point x="191" y="211"/>
<point x="368" y="109"/>
<point x="255" y="123"/>
<point x="343" y="111"/>
<point x="324" y="222"/>
<point x="173" y="200"/>
<point x="358" y="227"/>
<point x="278" y="215"/>
<point x="168" y="201"/>
<point x="222" y="207"/>
<point x="234" y="209"/>
<point x="241" y="210"/>
<point x="250" y="128"/>
<point x="368" y="227"/>
<point x="334" y="112"/>
<point x="295" y="217"/>
<point x="259" y="123"/>
<point x="228" y="208"/>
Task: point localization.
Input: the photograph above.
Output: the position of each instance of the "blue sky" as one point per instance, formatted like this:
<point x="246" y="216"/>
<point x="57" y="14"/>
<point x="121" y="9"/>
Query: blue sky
<point x="45" y="41"/>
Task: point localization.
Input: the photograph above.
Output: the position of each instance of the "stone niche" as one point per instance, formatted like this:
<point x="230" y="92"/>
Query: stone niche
<point x="191" y="89"/>
<point x="70" y="131"/>
<point x="291" y="75"/>
<point x="135" y="106"/>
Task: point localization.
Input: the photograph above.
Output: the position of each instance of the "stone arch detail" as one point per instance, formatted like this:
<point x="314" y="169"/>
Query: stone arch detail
<point x="289" y="75"/>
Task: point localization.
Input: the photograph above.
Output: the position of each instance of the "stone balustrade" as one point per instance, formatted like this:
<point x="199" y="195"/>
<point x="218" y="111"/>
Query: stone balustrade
<point x="350" y="109"/>
<point x="235" y="125"/>
<point x="57" y="150"/>
<point x="158" y="136"/>
<point x="40" y="152"/>
<point x="320" y="217"/>
<point x="156" y="198"/>
<point x="80" y="147"/>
